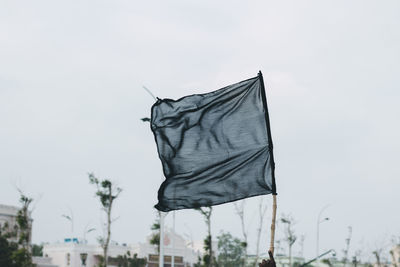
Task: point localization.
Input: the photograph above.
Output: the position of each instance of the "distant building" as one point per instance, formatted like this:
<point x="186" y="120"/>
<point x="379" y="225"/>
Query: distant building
<point x="185" y="252"/>
<point x="43" y="262"/>
<point x="8" y="219"/>
<point x="395" y="254"/>
<point x="73" y="253"/>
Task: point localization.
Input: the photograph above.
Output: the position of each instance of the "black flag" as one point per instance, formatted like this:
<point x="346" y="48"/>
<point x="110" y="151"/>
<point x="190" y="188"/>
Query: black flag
<point x="214" y="147"/>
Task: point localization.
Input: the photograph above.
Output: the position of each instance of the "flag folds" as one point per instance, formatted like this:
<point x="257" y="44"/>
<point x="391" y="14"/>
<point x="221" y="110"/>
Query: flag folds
<point x="214" y="147"/>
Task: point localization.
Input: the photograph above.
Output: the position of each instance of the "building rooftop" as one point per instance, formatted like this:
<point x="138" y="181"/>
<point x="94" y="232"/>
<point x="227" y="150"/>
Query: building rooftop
<point x="8" y="210"/>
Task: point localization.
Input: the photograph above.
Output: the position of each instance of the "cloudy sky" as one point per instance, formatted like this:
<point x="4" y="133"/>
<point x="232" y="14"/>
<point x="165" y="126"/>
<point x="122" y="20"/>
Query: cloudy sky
<point x="71" y="99"/>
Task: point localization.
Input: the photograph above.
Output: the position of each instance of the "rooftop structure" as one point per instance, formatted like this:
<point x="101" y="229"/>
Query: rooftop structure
<point x="8" y="220"/>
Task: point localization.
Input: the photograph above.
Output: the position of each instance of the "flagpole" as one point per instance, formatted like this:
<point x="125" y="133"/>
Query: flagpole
<point x="271" y="154"/>
<point x="272" y="241"/>
<point x="161" y="256"/>
<point x="173" y="240"/>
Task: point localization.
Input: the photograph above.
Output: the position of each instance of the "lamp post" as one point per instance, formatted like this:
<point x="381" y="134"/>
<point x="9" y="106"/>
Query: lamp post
<point x="71" y="220"/>
<point x="319" y="221"/>
<point x="319" y="256"/>
<point x="85" y="231"/>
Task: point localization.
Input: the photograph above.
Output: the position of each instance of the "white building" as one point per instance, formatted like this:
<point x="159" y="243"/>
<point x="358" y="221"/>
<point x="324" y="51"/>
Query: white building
<point x="43" y="262"/>
<point x="72" y="253"/>
<point x="183" y="251"/>
<point x="8" y="219"/>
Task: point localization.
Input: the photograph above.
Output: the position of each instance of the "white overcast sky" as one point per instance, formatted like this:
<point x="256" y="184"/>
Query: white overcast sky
<point x="71" y="99"/>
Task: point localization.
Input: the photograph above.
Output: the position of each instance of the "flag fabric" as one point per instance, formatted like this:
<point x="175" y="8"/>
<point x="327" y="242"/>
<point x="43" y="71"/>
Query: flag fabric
<point x="215" y="147"/>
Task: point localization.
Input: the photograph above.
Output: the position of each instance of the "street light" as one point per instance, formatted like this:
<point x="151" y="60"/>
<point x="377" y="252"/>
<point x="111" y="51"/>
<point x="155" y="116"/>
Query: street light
<point x="71" y="220"/>
<point x="319" y="221"/>
<point x="332" y="251"/>
<point x="85" y="231"/>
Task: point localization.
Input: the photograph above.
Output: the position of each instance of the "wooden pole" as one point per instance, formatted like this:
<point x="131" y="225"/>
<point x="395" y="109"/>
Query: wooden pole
<point x="271" y="245"/>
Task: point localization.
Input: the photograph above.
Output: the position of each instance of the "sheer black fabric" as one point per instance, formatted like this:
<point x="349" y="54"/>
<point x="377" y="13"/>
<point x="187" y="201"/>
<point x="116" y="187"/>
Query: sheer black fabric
<point x="214" y="147"/>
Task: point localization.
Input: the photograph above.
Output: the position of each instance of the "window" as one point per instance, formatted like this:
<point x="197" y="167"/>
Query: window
<point x="68" y="259"/>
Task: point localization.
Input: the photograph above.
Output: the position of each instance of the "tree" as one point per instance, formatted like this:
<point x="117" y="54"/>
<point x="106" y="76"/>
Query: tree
<point x="231" y="251"/>
<point x="377" y="254"/>
<point x="107" y="192"/>
<point x="7" y="250"/>
<point x="290" y="237"/>
<point x="239" y="208"/>
<point x="395" y="241"/>
<point x="394" y="262"/>
<point x="380" y="251"/>
<point x="17" y="254"/>
<point x="24" y="222"/>
<point x="198" y="263"/>
<point x="347" y="248"/>
<point x="357" y="258"/>
<point x="208" y="257"/>
<point x="155" y="236"/>
<point x="37" y="250"/>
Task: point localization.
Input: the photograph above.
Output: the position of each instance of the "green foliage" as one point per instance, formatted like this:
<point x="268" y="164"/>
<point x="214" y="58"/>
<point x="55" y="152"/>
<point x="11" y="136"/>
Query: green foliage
<point x="208" y="257"/>
<point x="6" y="232"/>
<point x="327" y="262"/>
<point x="155" y="241"/>
<point x="128" y="261"/>
<point x="207" y="249"/>
<point x="23" y="221"/>
<point x="198" y="263"/>
<point x="22" y="257"/>
<point x="17" y="254"/>
<point x="155" y="236"/>
<point x="207" y="244"/>
<point x="6" y="251"/>
<point x="13" y="256"/>
<point x="105" y="191"/>
<point x="37" y="250"/>
<point x="156" y="225"/>
<point x="231" y="250"/>
<point x="101" y="261"/>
